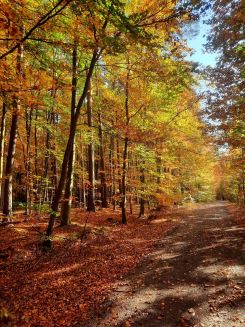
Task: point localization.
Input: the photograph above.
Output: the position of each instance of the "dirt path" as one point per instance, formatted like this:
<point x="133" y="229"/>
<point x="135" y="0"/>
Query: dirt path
<point x="194" y="277"/>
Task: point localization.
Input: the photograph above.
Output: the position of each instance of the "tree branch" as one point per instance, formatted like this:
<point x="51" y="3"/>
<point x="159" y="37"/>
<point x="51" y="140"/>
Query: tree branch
<point x="50" y="14"/>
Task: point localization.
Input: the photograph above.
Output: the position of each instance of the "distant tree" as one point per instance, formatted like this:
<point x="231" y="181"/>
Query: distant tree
<point x="226" y="98"/>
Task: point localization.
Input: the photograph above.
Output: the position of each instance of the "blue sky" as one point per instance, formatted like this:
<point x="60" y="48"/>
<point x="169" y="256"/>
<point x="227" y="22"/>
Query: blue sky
<point x="196" y="40"/>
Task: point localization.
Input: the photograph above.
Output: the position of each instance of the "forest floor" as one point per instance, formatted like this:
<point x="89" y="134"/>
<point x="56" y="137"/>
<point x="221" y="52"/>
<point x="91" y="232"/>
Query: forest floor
<point x="184" y="268"/>
<point x="67" y="285"/>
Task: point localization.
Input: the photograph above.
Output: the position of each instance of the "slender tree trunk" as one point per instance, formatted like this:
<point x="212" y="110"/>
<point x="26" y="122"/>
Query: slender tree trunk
<point x="54" y="160"/>
<point x="90" y="203"/>
<point x="130" y="175"/>
<point x="131" y="204"/>
<point x="8" y="187"/>
<point x="142" y="200"/>
<point x="29" y="182"/>
<point x="7" y="192"/>
<point x="159" y="169"/>
<point x="83" y="179"/>
<point x="243" y="177"/>
<point x="103" y="185"/>
<point x="49" y="158"/>
<point x="2" y="141"/>
<point x="119" y="177"/>
<point x="36" y="145"/>
<point x="112" y="171"/>
<point x="55" y="180"/>
<point x="47" y="154"/>
<point x="67" y="203"/>
<point x="124" y="173"/>
<point x="125" y="152"/>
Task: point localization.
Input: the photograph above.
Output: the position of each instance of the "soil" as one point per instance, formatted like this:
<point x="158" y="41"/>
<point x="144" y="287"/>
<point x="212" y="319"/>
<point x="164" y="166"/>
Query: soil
<point x="195" y="276"/>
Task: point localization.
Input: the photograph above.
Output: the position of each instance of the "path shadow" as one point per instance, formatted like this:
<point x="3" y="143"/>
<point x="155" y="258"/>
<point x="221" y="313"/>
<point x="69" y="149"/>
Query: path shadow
<point x="196" y="269"/>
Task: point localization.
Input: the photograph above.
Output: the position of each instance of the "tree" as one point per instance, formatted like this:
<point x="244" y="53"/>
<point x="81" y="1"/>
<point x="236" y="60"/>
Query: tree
<point x="67" y="202"/>
<point x="226" y="98"/>
<point x="8" y="184"/>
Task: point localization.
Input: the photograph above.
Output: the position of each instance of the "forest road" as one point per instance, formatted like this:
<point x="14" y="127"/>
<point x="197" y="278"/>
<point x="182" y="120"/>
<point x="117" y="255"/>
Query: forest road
<point x="195" y="276"/>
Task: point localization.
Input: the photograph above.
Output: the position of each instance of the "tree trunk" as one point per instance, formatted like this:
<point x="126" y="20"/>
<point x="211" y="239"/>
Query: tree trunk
<point x="36" y="144"/>
<point x="142" y="200"/>
<point x="243" y="177"/>
<point x="46" y="160"/>
<point x="54" y="168"/>
<point x="125" y="152"/>
<point x="2" y="142"/>
<point x="83" y="179"/>
<point x="112" y="171"/>
<point x="28" y="117"/>
<point x="103" y="185"/>
<point x="8" y="187"/>
<point x="67" y="203"/>
<point x="119" y="177"/>
<point x="159" y="169"/>
<point x="131" y="204"/>
<point x="90" y="202"/>
<point x="124" y="173"/>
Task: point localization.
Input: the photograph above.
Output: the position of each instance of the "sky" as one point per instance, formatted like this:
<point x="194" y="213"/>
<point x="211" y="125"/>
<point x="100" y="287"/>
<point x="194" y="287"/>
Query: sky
<point x="196" y="38"/>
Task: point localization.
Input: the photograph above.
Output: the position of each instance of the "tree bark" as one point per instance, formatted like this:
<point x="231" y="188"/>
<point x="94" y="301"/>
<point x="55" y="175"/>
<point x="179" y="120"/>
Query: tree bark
<point x="103" y="185"/>
<point x="29" y="182"/>
<point x="119" y="177"/>
<point x="2" y="141"/>
<point x="124" y="174"/>
<point x="8" y="187"/>
<point x="46" y="160"/>
<point x="36" y="144"/>
<point x="112" y="171"/>
<point x="125" y="152"/>
<point x="67" y="202"/>
<point x="90" y="200"/>
<point x="83" y="178"/>
<point x="142" y="200"/>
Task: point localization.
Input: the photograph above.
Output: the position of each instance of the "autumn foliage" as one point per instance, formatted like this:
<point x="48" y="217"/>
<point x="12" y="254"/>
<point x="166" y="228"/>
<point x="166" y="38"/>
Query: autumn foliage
<point x="100" y="114"/>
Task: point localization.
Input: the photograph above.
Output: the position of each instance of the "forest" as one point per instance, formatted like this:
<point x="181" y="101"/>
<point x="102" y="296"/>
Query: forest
<point x="111" y="137"/>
